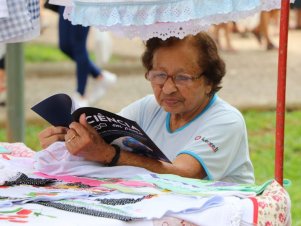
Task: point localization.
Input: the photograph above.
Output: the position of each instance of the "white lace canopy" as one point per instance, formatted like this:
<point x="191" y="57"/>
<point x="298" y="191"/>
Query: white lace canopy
<point x="160" y="18"/>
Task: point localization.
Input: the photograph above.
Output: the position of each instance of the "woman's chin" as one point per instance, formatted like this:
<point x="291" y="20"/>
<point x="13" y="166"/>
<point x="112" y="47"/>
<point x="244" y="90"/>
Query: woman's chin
<point x="170" y="109"/>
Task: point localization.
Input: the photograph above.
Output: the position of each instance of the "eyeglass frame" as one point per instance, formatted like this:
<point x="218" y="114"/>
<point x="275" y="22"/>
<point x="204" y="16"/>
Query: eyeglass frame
<point x="191" y="78"/>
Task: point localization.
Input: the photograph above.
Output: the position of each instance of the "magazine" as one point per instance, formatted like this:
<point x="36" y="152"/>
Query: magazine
<point x="59" y="110"/>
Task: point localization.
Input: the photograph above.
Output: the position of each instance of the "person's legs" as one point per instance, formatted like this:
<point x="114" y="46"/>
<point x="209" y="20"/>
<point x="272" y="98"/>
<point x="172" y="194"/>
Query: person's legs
<point x="2" y="75"/>
<point x="65" y="35"/>
<point x="297" y="10"/>
<point x="71" y="45"/>
<point x="265" y="20"/>
<point x="84" y="66"/>
<point x="274" y="16"/>
<point x="257" y="31"/>
<point x="263" y="30"/>
<point x="228" y="31"/>
<point x="2" y="82"/>
<point x="215" y="35"/>
<point x="72" y="41"/>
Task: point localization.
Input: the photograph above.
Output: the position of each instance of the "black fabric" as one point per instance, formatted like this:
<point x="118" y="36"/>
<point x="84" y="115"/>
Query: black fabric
<point x="2" y="63"/>
<point x="23" y="179"/>
<point x="87" y="211"/>
<point x="54" y="8"/>
<point x="115" y="202"/>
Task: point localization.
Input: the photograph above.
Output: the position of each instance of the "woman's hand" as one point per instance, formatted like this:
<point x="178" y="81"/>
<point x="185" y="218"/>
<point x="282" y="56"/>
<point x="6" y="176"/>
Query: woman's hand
<point x="52" y="134"/>
<point x="82" y="139"/>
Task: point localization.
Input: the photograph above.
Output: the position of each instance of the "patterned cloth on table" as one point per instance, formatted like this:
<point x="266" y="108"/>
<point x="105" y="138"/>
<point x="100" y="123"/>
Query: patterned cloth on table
<point x="23" y="22"/>
<point x="101" y="204"/>
<point x="273" y="206"/>
<point x="3" y="9"/>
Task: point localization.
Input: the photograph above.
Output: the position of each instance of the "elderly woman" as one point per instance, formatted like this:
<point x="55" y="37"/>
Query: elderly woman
<point x="204" y="136"/>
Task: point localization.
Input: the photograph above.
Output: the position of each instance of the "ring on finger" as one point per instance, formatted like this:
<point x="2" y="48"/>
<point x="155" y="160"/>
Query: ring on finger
<point x="71" y="138"/>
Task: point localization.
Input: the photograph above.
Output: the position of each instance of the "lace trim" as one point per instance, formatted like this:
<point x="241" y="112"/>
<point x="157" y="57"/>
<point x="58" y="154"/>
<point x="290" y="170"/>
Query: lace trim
<point x="164" y="19"/>
<point x="126" y="14"/>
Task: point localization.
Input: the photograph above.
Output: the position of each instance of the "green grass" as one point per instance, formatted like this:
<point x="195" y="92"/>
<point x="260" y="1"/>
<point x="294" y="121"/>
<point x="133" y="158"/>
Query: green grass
<point x="37" y="53"/>
<point x="261" y="130"/>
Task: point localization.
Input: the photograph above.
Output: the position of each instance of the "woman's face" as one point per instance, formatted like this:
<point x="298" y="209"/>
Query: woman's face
<point x="182" y="58"/>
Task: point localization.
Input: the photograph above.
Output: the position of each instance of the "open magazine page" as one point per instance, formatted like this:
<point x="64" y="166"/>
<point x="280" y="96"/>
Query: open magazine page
<point x="59" y="110"/>
<point x="125" y="133"/>
<point x="56" y="109"/>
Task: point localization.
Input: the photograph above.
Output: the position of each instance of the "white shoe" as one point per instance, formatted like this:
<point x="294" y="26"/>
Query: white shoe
<point x="109" y="78"/>
<point x="101" y="85"/>
<point x="79" y="100"/>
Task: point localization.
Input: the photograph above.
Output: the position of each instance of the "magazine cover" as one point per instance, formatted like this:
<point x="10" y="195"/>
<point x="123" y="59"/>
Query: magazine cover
<point x="59" y="110"/>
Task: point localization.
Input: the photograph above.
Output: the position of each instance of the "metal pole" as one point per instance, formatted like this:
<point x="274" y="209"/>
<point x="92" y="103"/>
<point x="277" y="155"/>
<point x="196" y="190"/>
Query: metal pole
<point x="280" y="110"/>
<point x="15" y="92"/>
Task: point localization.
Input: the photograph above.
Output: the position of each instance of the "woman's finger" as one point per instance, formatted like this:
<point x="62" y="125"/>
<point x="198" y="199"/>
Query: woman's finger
<point x="71" y="134"/>
<point x="78" y="128"/>
<point x="51" y="131"/>
<point x="82" y="127"/>
<point x="83" y="121"/>
<point x="50" y="140"/>
<point x="51" y="135"/>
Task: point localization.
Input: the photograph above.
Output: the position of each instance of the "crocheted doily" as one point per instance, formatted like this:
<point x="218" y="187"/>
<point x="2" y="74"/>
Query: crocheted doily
<point x="161" y="18"/>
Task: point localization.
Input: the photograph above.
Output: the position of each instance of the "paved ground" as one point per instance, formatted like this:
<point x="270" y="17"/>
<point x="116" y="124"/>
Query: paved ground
<point x="251" y="80"/>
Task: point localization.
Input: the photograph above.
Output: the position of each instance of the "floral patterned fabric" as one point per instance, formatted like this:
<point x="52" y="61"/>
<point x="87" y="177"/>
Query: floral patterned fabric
<point x="273" y="206"/>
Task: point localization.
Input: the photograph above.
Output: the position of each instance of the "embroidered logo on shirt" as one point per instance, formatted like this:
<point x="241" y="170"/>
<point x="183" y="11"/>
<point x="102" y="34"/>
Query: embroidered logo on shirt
<point x="210" y="144"/>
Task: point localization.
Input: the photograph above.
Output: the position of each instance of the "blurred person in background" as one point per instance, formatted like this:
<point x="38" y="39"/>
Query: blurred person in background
<point x="297" y="8"/>
<point x="73" y="42"/>
<point x="227" y="28"/>
<point x="262" y="31"/>
<point x="2" y="75"/>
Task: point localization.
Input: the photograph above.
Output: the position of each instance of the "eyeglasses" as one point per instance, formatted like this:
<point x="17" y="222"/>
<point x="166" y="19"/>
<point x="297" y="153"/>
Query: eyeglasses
<point x="160" y="77"/>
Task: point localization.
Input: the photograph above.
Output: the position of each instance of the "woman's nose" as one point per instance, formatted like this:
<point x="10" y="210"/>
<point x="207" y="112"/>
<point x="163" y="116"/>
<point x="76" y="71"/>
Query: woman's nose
<point x="169" y="86"/>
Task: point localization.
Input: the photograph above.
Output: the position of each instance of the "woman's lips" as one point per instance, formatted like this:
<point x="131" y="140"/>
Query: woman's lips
<point x="170" y="101"/>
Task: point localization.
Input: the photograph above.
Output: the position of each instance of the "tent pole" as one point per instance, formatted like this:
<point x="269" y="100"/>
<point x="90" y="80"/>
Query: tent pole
<point x="281" y="88"/>
<point x="15" y="92"/>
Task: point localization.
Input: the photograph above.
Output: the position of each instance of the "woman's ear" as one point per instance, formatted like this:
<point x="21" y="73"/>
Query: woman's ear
<point x="208" y="94"/>
<point x="208" y="85"/>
